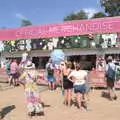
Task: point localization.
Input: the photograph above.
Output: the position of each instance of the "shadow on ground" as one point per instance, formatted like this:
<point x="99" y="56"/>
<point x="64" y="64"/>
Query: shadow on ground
<point x="6" y="110"/>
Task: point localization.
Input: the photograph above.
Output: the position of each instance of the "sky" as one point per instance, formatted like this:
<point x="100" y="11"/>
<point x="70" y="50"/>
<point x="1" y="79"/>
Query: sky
<point x="42" y="11"/>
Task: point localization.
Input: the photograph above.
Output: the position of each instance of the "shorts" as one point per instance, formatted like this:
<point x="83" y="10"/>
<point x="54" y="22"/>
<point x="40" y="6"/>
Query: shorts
<point x="110" y="82"/>
<point x="15" y="75"/>
<point x="87" y="88"/>
<point x="50" y="78"/>
<point x="80" y="88"/>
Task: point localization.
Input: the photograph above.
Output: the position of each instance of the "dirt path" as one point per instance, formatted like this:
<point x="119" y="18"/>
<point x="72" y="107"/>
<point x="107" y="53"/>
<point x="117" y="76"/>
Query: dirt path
<point x="12" y="100"/>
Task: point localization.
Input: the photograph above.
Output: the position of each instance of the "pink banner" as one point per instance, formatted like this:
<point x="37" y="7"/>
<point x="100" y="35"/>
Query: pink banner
<point x="101" y="25"/>
<point x="97" y="78"/>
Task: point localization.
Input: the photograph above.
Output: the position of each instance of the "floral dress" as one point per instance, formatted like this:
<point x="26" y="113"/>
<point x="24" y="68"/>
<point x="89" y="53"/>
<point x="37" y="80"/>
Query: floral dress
<point x="31" y="92"/>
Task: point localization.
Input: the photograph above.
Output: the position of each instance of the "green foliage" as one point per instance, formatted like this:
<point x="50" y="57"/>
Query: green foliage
<point x="111" y="7"/>
<point x="10" y="46"/>
<point x="76" y="16"/>
<point x="80" y="41"/>
<point x="25" y="22"/>
<point x="7" y="46"/>
<point x="99" y="15"/>
<point x="82" y="15"/>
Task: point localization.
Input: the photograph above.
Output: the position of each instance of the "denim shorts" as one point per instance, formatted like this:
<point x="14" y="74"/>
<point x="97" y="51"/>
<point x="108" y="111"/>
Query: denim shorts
<point x="50" y="78"/>
<point x="80" y="88"/>
<point x="87" y="88"/>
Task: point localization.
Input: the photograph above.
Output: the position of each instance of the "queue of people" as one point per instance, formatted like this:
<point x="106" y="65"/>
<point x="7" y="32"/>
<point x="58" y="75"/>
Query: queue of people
<point x="77" y="79"/>
<point x="71" y="81"/>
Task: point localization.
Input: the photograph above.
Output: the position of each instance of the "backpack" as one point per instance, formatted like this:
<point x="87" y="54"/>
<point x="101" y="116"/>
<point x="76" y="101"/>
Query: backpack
<point x="117" y="74"/>
<point x="110" y="72"/>
<point x="8" y="68"/>
<point x="50" y="70"/>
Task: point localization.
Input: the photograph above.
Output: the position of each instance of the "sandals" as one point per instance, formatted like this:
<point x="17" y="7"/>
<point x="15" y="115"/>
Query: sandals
<point x="40" y="114"/>
<point x="30" y="114"/>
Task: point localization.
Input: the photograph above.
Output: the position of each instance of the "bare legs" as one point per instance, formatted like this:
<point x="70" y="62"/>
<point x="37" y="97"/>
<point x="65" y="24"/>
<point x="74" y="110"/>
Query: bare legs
<point x="111" y="92"/>
<point x="12" y="81"/>
<point x="111" y="89"/>
<point x="68" y="97"/>
<point x="79" y="99"/>
<point x="51" y="85"/>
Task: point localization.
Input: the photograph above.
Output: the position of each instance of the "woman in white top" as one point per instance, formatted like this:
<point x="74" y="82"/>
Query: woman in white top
<point x="78" y="77"/>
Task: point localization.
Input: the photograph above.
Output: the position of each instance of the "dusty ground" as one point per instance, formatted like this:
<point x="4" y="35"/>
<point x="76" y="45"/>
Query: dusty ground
<point x="13" y="105"/>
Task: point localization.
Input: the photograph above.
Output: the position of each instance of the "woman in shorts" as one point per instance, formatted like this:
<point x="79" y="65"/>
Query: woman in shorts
<point x="50" y="75"/>
<point x="78" y="77"/>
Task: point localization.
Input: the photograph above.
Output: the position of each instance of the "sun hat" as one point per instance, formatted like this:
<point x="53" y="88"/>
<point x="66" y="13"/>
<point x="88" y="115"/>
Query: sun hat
<point x="29" y="65"/>
<point x="109" y="58"/>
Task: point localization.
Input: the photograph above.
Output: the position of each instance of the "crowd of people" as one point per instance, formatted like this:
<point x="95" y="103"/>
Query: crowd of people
<point x="71" y="80"/>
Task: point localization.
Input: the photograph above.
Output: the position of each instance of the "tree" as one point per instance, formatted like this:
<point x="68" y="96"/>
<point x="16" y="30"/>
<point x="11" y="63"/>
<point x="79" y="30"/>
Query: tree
<point x="70" y="17"/>
<point x="25" y="22"/>
<point x="111" y="7"/>
<point x="76" y="16"/>
<point x="82" y="15"/>
<point x="3" y="27"/>
<point x="99" y="15"/>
